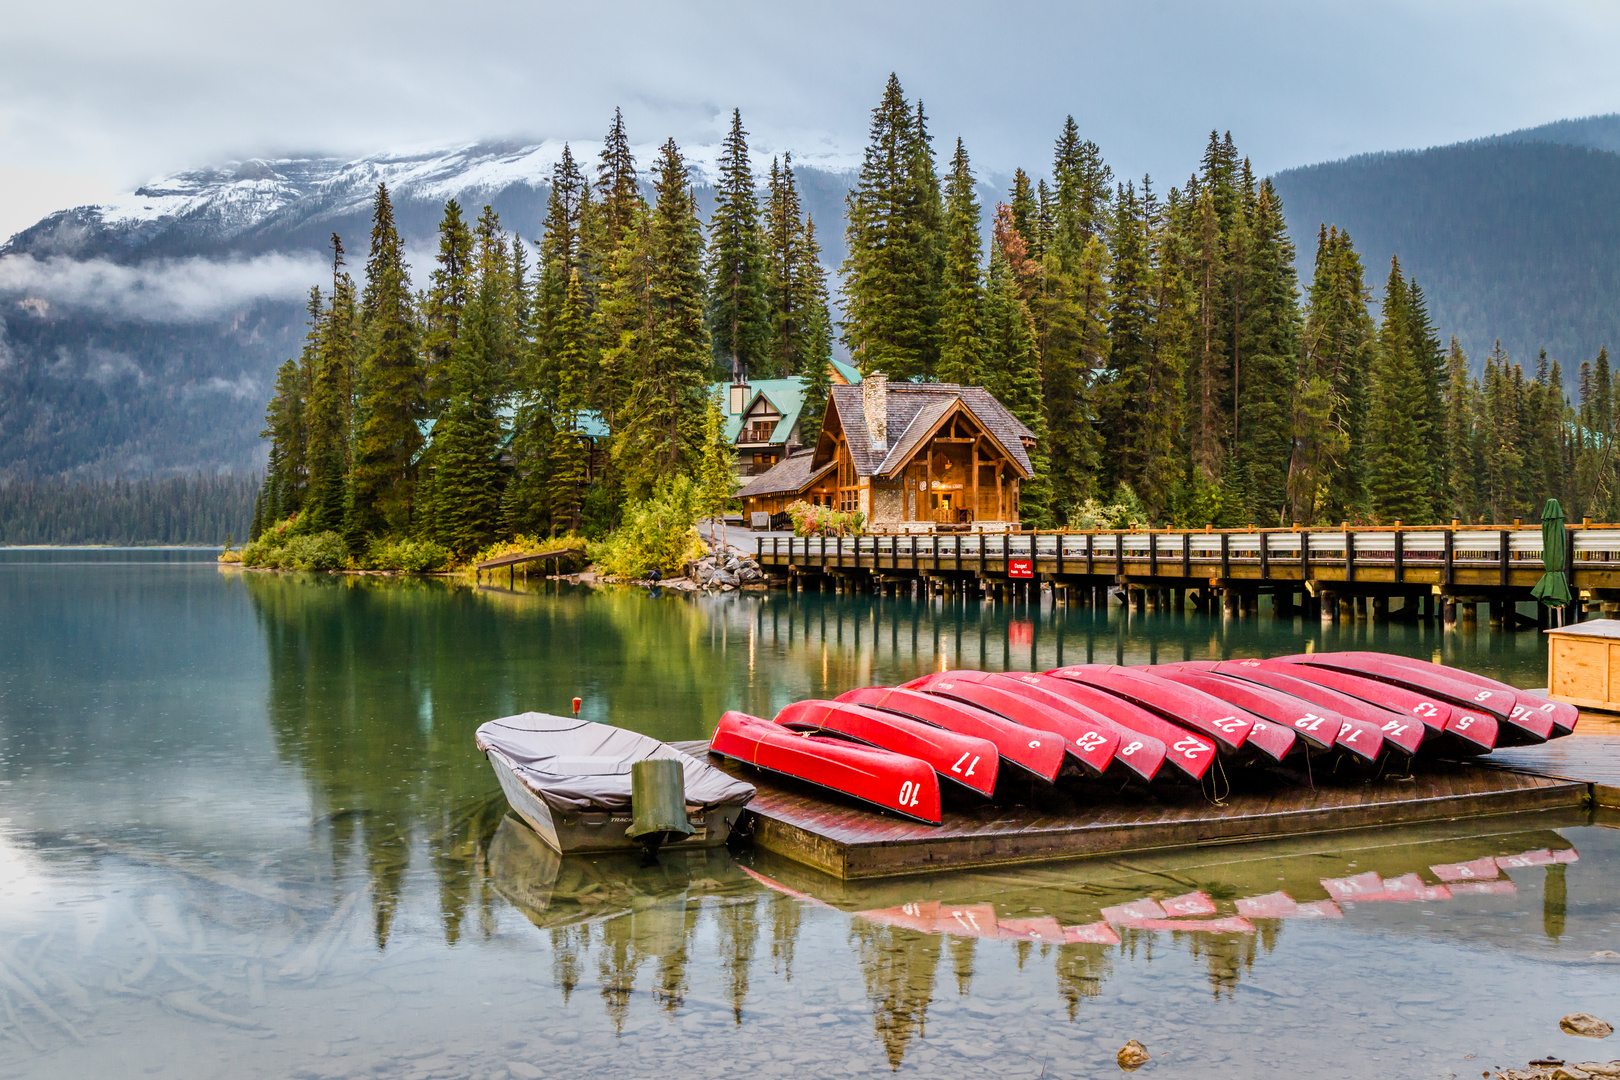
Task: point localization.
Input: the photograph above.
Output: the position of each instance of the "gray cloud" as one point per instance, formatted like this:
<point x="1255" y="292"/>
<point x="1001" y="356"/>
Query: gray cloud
<point x="128" y="91"/>
<point x="161" y="291"/>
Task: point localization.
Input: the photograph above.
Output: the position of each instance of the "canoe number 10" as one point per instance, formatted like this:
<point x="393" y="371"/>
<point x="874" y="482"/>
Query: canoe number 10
<point x="909" y="792"/>
<point x="957" y="768"/>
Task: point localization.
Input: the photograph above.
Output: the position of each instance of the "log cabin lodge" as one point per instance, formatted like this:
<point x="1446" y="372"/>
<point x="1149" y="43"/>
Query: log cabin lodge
<point x="912" y="457"/>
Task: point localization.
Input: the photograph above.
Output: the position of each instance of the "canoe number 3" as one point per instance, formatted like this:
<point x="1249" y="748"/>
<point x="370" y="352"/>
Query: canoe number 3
<point x="957" y="768"/>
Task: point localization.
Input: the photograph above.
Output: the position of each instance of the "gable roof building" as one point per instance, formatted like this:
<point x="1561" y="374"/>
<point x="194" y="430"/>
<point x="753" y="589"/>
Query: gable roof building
<point x="908" y="456"/>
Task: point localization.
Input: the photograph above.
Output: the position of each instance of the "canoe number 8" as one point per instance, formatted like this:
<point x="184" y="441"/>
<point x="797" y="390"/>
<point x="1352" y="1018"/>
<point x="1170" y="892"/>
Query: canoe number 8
<point x="909" y="793"/>
<point x="957" y="768"/>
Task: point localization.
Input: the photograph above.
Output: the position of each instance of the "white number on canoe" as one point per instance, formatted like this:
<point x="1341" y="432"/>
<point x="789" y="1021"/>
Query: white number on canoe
<point x="1353" y="732"/>
<point x="1465" y="723"/>
<point x="1483" y="695"/>
<point x="1130" y="749"/>
<point x="1034" y="744"/>
<point x="1423" y="708"/>
<point x="1089" y="741"/>
<point x="1190" y="748"/>
<point x="1227" y="724"/>
<point x="1396" y="728"/>
<point x="1310" y="722"/>
<point x="957" y="768"/>
<point x="909" y="793"/>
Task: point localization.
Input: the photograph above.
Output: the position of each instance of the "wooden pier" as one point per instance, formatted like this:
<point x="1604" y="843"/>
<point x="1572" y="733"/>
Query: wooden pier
<point x="1321" y="570"/>
<point x="844" y="839"/>
<point x="523" y="558"/>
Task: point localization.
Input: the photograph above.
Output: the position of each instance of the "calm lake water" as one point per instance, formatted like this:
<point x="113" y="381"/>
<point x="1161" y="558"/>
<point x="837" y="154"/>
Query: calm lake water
<point x="244" y="832"/>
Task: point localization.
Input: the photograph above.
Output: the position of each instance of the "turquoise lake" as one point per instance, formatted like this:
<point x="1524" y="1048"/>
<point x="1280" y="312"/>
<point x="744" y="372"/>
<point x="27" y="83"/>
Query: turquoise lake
<point x="244" y="832"/>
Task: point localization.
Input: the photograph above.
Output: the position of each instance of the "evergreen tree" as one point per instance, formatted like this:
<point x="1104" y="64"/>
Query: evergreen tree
<point x="1025" y="208"/>
<point x="391" y="389"/>
<point x="571" y="372"/>
<point x="1340" y="344"/>
<point x="1121" y="386"/>
<point x="1504" y="449"/>
<point x="1011" y="366"/>
<point x="662" y="422"/>
<point x="738" y="319"/>
<point x="890" y="271"/>
<point x="1268" y="344"/>
<point x="961" y="307"/>
<point x="1399" y="472"/>
<point x="331" y="404"/>
<point x="815" y="365"/>
<point x="447" y="295"/>
<point x="561" y="248"/>
<point x="1207" y="377"/>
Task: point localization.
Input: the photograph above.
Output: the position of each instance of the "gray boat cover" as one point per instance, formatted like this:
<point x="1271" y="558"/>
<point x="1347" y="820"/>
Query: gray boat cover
<point x="576" y="764"/>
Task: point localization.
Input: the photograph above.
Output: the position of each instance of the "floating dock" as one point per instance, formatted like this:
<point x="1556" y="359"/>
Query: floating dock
<point x="842" y="838"/>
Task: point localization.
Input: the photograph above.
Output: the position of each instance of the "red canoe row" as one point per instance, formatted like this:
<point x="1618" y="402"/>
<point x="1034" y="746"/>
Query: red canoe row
<point x="892" y="747"/>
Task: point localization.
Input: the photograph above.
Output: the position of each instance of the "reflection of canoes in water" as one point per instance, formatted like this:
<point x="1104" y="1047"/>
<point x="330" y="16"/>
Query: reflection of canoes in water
<point x="570" y="780"/>
<point x="553" y="890"/>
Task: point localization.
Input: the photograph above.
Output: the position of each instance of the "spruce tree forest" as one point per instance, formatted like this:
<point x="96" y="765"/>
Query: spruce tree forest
<point x="1158" y="342"/>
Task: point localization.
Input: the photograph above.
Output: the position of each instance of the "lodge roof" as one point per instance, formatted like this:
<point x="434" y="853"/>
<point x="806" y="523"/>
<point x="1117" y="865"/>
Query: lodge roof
<point x="914" y="410"/>
<point x="791" y="475"/>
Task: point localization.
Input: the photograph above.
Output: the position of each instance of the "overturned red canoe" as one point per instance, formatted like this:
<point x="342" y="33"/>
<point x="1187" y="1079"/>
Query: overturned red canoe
<point x="1185" y="750"/>
<point x="1145" y="751"/>
<point x="882" y="778"/>
<point x="1356" y="727"/>
<point x="1093" y="747"/>
<point x="1528" y="727"/>
<point x="1036" y="752"/>
<point x="1563" y="715"/>
<point x="962" y="759"/>
<point x="1135" y="753"/>
<point x="1228" y="725"/>
<point x="1276" y="713"/>
<point x="1460" y="730"/>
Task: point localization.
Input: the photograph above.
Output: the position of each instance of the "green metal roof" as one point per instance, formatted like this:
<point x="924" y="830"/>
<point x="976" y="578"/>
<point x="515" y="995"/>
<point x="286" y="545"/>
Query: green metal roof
<point x="786" y="396"/>
<point x="851" y="374"/>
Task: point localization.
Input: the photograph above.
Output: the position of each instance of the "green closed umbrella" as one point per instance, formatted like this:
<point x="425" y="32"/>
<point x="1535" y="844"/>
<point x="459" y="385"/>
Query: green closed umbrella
<point x="1553" y="588"/>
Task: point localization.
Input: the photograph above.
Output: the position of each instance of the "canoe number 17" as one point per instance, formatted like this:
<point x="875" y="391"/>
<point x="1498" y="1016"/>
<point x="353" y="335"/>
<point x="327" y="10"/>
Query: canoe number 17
<point x="957" y="768"/>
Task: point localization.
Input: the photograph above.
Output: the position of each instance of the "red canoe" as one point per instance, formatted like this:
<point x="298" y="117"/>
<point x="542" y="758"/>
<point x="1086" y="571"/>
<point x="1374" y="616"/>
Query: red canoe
<point x="1277" y="713"/>
<point x="962" y="759"/>
<point x="1038" y="753"/>
<point x="882" y="778"/>
<point x="1362" y="728"/>
<point x="1465" y="730"/>
<point x="1093" y="746"/>
<point x="1146" y="750"/>
<point x="1137" y="753"/>
<point x="1227" y="725"/>
<point x="1186" y="750"/>
<point x="1563" y="714"/>
<point x="1528" y="727"/>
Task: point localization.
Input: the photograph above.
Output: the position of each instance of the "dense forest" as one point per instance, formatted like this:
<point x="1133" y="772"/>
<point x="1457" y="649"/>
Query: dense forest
<point x="1159" y="344"/>
<point x="177" y="510"/>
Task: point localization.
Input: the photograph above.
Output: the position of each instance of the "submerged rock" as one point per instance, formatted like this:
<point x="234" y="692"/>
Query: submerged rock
<point x="1133" y="1055"/>
<point x="1586" y="1025"/>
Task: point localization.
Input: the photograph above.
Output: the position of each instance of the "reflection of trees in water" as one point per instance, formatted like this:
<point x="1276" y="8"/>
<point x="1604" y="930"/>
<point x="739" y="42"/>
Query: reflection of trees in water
<point x="617" y="959"/>
<point x="899" y="967"/>
<point x="1224" y="956"/>
<point x="567" y="943"/>
<point x="1554" y="900"/>
<point x="737" y="920"/>
<point x="1081" y="970"/>
<point x="962" y="949"/>
<point x="786" y="912"/>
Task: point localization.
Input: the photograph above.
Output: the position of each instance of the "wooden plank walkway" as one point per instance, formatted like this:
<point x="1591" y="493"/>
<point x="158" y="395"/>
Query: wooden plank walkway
<point x="846" y="840"/>
<point x="523" y="557"/>
<point x="1590" y="756"/>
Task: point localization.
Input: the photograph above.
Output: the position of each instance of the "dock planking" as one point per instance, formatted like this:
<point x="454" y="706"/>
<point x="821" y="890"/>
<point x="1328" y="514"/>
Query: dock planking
<point x="850" y="842"/>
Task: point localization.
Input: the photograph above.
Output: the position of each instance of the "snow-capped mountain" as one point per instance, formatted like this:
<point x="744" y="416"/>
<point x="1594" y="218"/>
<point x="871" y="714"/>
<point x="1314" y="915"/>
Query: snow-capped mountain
<point x="141" y="335"/>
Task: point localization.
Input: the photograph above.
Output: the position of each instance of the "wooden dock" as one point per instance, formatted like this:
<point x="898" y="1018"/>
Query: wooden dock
<point x="850" y="842"/>
<point x="1592" y="759"/>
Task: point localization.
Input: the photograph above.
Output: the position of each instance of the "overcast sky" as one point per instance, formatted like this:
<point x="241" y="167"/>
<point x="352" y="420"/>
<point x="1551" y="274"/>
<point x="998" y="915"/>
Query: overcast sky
<point x="97" y="96"/>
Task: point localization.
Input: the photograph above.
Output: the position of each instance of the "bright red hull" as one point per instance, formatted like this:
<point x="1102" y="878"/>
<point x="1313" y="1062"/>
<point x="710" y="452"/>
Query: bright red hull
<point x="1038" y="753"/>
<point x="962" y="759"/>
<point x="1227" y="725"/>
<point x="894" y="782"/>
<point x="1185" y="750"/>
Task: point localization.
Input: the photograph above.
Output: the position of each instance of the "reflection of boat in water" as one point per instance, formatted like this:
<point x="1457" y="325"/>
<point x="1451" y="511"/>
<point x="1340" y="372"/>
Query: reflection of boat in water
<point x="570" y="780"/>
<point x="553" y="890"/>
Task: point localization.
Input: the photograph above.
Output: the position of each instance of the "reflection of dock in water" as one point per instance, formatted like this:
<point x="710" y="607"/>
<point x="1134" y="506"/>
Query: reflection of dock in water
<point x="848" y="841"/>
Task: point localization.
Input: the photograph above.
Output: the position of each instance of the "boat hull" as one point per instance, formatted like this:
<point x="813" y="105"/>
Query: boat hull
<point x="591" y="832"/>
<point x="1036" y="753"/>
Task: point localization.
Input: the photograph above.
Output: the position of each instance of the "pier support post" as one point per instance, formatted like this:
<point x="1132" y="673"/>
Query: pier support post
<point x="1380" y="609"/>
<point x="1329" y="606"/>
<point x="1229" y="602"/>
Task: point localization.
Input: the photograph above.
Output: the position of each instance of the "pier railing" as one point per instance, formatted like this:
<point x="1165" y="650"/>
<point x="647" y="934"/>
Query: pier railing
<point x="1451" y="558"/>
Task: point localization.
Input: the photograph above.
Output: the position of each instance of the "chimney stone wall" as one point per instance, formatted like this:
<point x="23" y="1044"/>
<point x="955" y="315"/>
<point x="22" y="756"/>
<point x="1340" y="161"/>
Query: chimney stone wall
<point x="875" y="407"/>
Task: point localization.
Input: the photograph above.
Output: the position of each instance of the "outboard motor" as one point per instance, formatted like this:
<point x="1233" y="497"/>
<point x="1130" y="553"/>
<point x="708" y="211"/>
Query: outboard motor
<point x="657" y="804"/>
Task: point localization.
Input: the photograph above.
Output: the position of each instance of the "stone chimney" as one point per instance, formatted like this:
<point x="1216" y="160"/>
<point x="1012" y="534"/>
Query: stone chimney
<point x="875" y="406"/>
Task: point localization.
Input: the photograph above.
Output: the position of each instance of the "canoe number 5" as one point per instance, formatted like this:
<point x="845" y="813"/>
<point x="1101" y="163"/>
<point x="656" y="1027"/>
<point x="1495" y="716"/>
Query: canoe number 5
<point x="957" y="768"/>
<point x="909" y="793"/>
